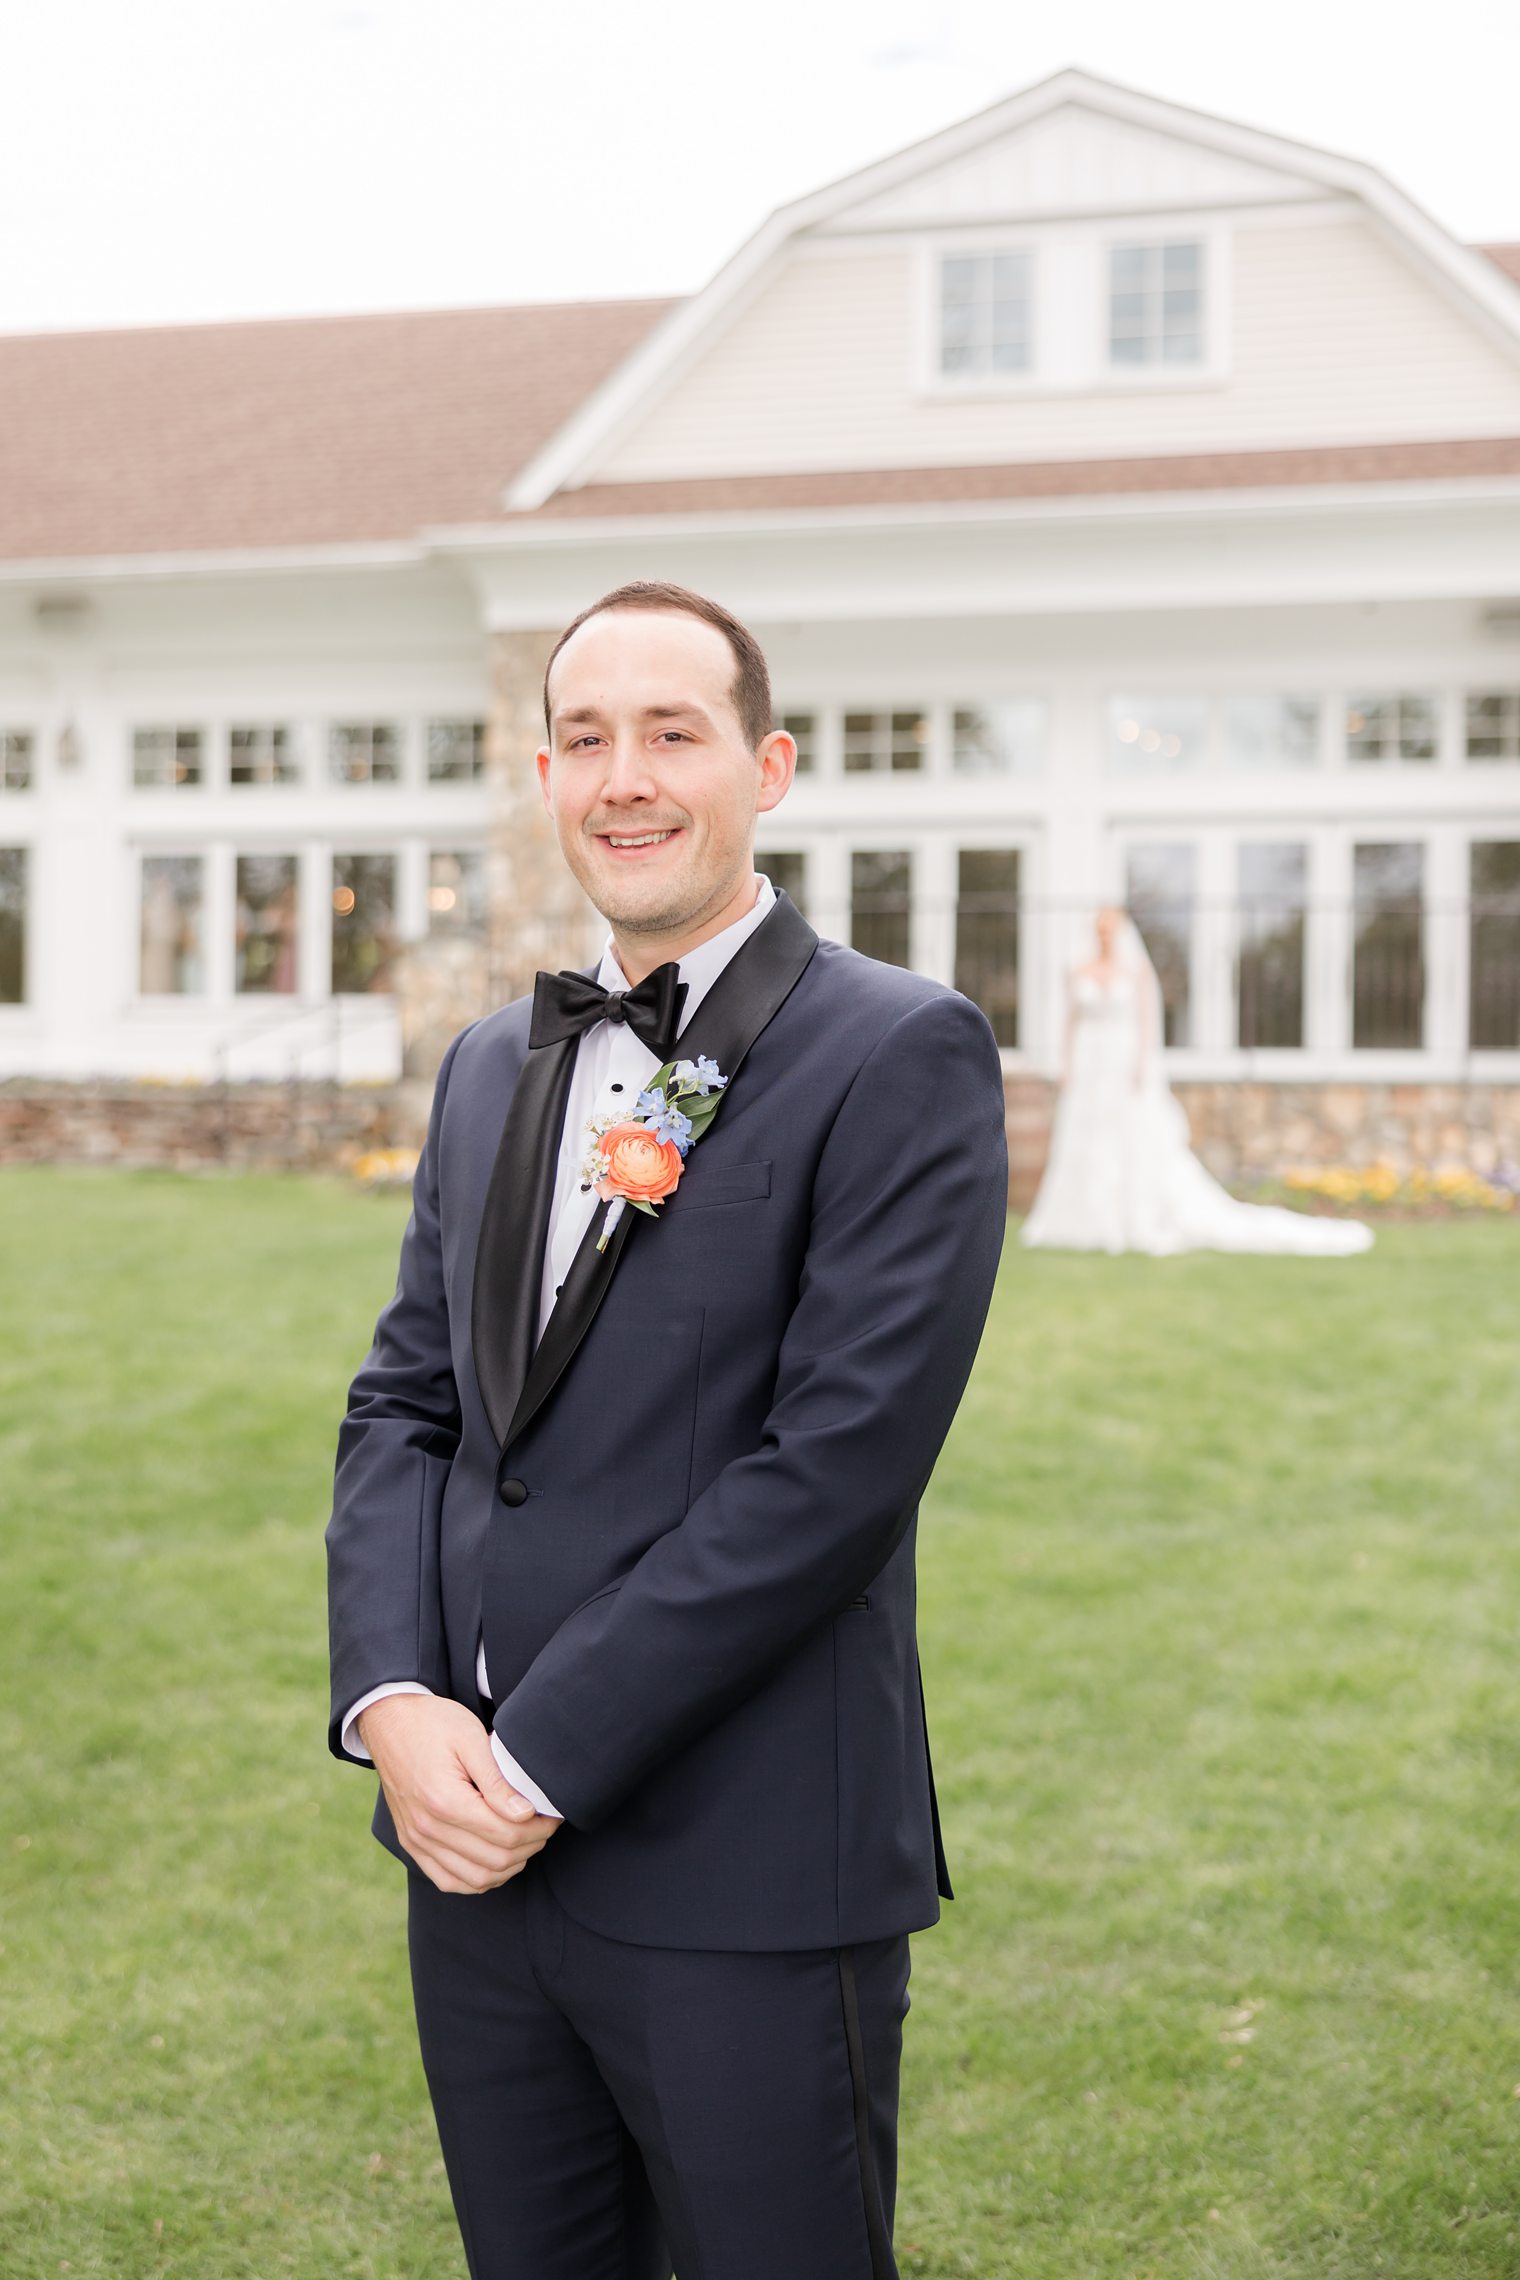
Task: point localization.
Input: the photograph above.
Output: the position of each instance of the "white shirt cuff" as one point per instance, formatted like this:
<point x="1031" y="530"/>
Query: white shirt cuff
<point x="349" y="1737"/>
<point x="521" y="1782"/>
<point x="511" y="1770"/>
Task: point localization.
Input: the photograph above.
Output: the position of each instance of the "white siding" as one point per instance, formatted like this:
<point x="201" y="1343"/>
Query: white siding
<point x="1335" y="338"/>
<point x="1073" y="161"/>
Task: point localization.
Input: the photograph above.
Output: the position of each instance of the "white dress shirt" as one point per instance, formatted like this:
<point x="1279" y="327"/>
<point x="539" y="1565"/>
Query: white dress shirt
<point x="612" y="1067"/>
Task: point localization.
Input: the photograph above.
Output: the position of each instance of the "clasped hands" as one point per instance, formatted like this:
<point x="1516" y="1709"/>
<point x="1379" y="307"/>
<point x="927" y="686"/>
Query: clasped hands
<point x="463" y="1823"/>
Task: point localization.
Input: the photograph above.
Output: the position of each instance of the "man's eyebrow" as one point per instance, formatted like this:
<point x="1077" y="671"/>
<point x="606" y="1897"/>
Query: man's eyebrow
<point x="576" y="716"/>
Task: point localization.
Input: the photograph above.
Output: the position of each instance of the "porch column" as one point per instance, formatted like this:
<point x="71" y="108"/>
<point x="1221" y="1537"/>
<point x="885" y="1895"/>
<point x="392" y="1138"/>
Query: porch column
<point x="538" y="914"/>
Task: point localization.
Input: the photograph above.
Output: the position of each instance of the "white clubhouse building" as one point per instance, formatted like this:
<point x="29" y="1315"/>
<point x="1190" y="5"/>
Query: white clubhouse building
<point x="1128" y="502"/>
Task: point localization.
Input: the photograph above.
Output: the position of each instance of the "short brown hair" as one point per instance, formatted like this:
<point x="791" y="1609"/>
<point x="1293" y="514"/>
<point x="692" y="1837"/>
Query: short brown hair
<point x="750" y="694"/>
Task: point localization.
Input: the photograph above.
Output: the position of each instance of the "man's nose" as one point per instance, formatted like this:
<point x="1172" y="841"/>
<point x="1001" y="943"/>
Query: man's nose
<point x="628" y="775"/>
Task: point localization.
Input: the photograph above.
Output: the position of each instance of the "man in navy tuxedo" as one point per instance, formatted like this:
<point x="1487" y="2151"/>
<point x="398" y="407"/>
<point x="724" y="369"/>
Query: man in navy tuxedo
<point x="621" y="1579"/>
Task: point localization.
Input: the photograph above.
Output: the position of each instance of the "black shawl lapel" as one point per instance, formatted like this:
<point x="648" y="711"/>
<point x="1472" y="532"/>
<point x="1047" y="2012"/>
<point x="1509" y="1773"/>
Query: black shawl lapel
<point x="746" y="996"/>
<point x="513" y="1228"/>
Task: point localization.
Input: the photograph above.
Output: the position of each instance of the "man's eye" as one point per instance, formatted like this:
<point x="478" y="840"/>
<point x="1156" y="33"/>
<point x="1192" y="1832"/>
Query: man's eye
<point x="679" y="734"/>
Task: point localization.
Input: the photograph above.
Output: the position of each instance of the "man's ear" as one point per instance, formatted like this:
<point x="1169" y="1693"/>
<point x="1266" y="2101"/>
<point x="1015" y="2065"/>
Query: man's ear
<point x="777" y="756"/>
<point x="542" y="759"/>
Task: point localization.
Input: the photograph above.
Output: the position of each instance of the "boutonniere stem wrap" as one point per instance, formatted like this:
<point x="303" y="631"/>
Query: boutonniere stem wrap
<point x="639" y="1159"/>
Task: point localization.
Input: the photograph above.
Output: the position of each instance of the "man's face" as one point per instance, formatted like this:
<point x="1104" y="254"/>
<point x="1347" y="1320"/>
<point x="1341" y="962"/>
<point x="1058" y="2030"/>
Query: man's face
<point x="651" y="786"/>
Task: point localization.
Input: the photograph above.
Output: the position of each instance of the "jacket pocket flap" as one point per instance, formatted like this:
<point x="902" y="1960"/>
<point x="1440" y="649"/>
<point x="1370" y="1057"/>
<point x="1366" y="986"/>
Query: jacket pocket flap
<point x="721" y="1183"/>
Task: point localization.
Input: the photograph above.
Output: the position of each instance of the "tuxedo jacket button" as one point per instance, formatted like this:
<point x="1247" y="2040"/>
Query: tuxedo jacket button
<point x="513" y="1492"/>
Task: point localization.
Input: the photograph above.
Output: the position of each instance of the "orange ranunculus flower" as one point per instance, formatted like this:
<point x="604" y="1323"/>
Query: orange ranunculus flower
<point x="638" y="1166"/>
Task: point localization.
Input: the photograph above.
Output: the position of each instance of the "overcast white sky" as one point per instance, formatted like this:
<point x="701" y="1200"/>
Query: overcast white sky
<point x="165" y="161"/>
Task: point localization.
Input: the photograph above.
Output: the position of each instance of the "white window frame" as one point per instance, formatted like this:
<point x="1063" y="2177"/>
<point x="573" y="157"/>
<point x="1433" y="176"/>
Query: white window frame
<point x="1070" y="308"/>
<point x="182" y="725"/>
<point x="20" y="1012"/>
<point x="30" y="730"/>
<point x="143" y="852"/>
<point x="978" y="240"/>
<point x="978" y="248"/>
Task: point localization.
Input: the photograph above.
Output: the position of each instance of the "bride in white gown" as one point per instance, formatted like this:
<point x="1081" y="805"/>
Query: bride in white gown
<point x="1121" y="1174"/>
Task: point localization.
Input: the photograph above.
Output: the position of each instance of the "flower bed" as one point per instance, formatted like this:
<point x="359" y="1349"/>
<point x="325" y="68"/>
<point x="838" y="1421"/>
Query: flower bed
<point x="1429" y="1192"/>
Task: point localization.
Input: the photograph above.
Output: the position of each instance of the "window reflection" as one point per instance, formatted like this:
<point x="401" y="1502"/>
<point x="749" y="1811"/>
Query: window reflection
<point x="1159" y="886"/>
<point x="363" y="922"/>
<point x="170" y="947"/>
<point x="266" y="924"/>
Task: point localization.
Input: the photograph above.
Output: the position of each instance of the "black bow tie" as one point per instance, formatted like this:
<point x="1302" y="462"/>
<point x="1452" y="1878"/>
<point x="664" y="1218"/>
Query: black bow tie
<point x="568" y="1002"/>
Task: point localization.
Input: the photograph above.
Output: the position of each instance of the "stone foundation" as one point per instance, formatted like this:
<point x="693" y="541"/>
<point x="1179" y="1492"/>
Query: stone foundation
<point x="237" y="1127"/>
<point x="1251" y="1132"/>
<point x="1244" y="1132"/>
<point x="1256" y="1131"/>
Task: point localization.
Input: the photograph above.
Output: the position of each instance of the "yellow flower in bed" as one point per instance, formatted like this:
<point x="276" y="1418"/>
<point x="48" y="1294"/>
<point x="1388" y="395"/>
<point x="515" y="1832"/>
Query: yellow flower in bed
<point x="1382" y="1182"/>
<point x="384" y="1167"/>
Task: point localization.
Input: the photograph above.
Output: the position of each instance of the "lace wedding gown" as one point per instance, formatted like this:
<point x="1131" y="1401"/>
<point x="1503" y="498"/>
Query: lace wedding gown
<point x="1121" y="1174"/>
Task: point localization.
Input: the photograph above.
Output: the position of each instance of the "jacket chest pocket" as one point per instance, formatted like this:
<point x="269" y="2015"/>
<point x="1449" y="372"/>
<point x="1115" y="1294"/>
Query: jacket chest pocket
<point x="702" y="1184"/>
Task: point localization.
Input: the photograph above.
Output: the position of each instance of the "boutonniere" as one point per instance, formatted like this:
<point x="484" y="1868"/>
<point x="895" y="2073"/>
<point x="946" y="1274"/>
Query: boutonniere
<point x="639" y="1159"/>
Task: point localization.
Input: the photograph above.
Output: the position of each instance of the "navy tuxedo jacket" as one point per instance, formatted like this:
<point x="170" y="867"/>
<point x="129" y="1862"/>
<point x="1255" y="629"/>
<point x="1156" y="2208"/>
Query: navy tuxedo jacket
<point x="686" y="1517"/>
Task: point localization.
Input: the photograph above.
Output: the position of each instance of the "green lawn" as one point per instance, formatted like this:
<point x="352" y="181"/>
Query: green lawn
<point x="1219" y="1579"/>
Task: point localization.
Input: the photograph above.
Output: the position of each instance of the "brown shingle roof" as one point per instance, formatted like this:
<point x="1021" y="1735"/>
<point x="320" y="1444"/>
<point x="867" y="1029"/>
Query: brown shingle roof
<point x="347" y="430"/>
<point x="302" y="431"/>
<point x="1045" y="479"/>
<point x="1507" y="258"/>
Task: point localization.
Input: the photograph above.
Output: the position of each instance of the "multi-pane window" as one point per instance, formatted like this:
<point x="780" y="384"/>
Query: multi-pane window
<point x="987" y="935"/>
<point x="363" y="921"/>
<point x="1388" y="958"/>
<point x="164" y="758"/>
<point x="1155" y="303"/>
<point x="456" y="751"/>
<point x="802" y="728"/>
<point x="1493" y="1000"/>
<point x="262" y="752"/>
<point x="1397" y="726"/>
<point x="1159" y="888"/>
<point x="786" y="868"/>
<point x="1006" y="738"/>
<point x="1272" y="879"/>
<point x="170" y="948"/>
<point x="12" y="925"/>
<point x="16" y="756"/>
<point x="266" y="924"/>
<point x="457" y="890"/>
<point x="882" y="740"/>
<point x="1149" y="734"/>
<point x="364" y="752"/>
<point x="1271" y="732"/>
<point x="986" y="313"/>
<point x="881" y="903"/>
<point x="1493" y="724"/>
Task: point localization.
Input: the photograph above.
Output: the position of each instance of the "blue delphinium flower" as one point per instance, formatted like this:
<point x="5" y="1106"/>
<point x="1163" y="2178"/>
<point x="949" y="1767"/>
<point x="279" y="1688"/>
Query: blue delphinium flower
<point x="702" y="1075"/>
<point x="665" y="1122"/>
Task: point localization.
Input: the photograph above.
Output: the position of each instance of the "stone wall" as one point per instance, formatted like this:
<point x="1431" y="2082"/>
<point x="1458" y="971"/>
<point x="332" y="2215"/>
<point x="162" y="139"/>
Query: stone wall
<point x="539" y="916"/>
<point x="242" y="1127"/>
<point x="1253" y="1131"/>
<point x="1244" y="1132"/>
<point x="1249" y="1132"/>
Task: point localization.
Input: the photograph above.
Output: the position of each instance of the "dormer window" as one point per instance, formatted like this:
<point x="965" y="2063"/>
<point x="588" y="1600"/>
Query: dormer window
<point x="1155" y="303"/>
<point x="985" y="314"/>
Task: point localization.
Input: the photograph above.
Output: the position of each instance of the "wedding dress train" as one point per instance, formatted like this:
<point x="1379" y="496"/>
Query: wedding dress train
<point x="1121" y="1175"/>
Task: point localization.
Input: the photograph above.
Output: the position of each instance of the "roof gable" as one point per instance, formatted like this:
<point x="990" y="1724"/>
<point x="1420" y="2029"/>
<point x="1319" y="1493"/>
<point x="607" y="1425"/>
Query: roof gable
<point x="1074" y="159"/>
<point x="1031" y="147"/>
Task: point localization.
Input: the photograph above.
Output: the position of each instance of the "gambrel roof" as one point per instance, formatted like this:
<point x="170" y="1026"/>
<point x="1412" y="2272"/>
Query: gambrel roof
<point x="1008" y="158"/>
<point x="373" y="432"/>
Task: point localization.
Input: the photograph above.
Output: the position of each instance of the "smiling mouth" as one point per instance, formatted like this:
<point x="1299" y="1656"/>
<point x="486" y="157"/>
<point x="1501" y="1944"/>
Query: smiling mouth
<point x="622" y="840"/>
